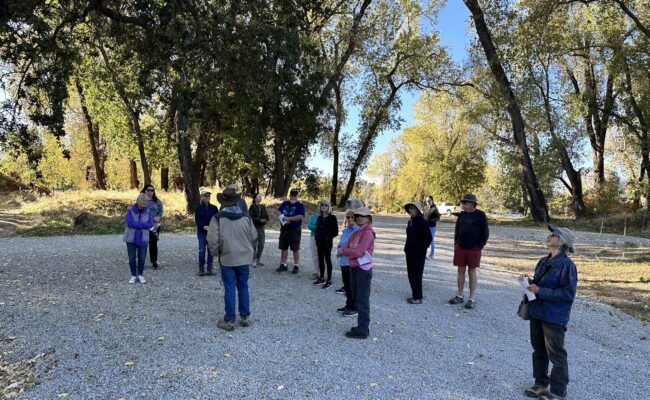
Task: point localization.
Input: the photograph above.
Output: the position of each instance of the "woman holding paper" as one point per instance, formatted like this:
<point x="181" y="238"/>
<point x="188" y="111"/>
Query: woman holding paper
<point x="360" y="250"/>
<point x="554" y="286"/>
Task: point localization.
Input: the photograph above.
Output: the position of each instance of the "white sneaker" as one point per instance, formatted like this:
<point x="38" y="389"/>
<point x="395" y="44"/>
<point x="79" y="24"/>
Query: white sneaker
<point x="133" y="279"/>
<point x="141" y="279"/>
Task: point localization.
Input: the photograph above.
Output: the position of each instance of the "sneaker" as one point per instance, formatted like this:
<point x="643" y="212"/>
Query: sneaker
<point x="341" y="290"/>
<point x="245" y="321"/>
<point x="318" y="281"/>
<point x="355" y="335"/>
<point x="327" y="285"/>
<point x="210" y="272"/>
<point x="535" y="391"/>
<point x="141" y="279"/>
<point x="342" y="309"/>
<point x="456" y="300"/>
<point x="133" y="279"/>
<point x="282" y="268"/>
<point x="260" y="264"/>
<point x="430" y="258"/>
<point x="411" y="300"/>
<point x="226" y="325"/>
<point x="350" y="313"/>
<point x="470" y="304"/>
<point x="201" y="273"/>
<point x="155" y="266"/>
<point x="295" y="269"/>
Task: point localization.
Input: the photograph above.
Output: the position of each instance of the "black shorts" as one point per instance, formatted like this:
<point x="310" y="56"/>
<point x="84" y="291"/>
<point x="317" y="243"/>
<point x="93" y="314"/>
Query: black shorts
<point x="290" y="238"/>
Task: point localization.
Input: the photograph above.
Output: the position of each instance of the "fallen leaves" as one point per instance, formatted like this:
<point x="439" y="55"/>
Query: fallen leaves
<point x="129" y="363"/>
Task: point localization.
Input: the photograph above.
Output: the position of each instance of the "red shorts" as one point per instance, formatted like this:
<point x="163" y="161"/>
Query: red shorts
<point x="467" y="257"/>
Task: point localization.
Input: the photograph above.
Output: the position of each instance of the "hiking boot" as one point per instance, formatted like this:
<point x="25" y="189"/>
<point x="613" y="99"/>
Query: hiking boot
<point x="295" y="269"/>
<point x="341" y="290"/>
<point x="154" y="266"/>
<point x="141" y="279"/>
<point x="355" y="335"/>
<point x="470" y="304"/>
<point x="201" y="272"/>
<point x="411" y="300"/>
<point x="226" y="325"/>
<point x="350" y="313"/>
<point x="318" y="281"/>
<point x="535" y="391"/>
<point x="245" y="321"/>
<point x="549" y="396"/>
<point x="327" y="285"/>
<point x="133" y="279"/>
<point x="210" y="272"/>
<point x="259" y="264"/>
<point x="342" y="309"/>
<point x="282" y="268"/>
<point x="456" y="300"/>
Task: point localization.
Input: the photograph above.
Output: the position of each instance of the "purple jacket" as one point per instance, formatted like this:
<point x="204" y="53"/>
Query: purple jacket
<point x="138" y="223"/>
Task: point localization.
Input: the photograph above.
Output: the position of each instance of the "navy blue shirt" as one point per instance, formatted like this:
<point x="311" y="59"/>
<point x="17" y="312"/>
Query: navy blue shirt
<point x="290" y="210"/>
<point x="203" y="215"/>
<point x="471" y="230"/>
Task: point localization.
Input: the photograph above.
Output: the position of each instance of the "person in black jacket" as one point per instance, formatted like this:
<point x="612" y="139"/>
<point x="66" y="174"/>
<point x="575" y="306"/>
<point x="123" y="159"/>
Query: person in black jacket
<point x="418" y="239"/>
<point x="470" y="236"/>
<point x="202" y="216"/>
<point x="260" y="217"/>
<point x="327" y="228"/>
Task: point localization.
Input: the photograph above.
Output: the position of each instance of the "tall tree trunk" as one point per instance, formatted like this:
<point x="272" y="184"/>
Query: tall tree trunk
<point x="279" y="184"/>
<point x="133" y="174"/>
<point x="164" y="178"/>
<point x="575" y="180"/>
<point x="93" y="138"/>
<point x="539" y="209"/>
<point x="335" y="141"/>
<point x="184" y="149"/>
<point x="134" y="115"/>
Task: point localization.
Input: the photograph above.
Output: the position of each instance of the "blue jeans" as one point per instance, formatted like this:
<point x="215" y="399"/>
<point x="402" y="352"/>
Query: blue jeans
<point x="433" y="241"/>
<point x="548" y="347"/>
<point x="203" y="246"/>
<point x="141" y="251"/>
<point x="235" y="278"/>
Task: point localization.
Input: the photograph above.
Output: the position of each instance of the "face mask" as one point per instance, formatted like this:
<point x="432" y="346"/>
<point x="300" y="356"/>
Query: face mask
<point x="355" y="228"/>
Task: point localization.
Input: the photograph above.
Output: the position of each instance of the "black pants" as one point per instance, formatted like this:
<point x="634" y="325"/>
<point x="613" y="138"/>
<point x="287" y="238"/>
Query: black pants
<point x="360" y="282"/>
<point x="325" y="257"/>
<point x="547" y="340"/>
<point x="153" y="246"/>
<point x="350" y="304"/>
<point x="415" y="269"/>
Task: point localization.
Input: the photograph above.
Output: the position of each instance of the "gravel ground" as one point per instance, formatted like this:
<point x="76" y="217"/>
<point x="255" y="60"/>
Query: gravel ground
<point x="105" y="339"/>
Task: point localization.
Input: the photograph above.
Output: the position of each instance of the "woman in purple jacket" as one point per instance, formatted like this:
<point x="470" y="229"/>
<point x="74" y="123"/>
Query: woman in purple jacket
<point x="136" y="235"/>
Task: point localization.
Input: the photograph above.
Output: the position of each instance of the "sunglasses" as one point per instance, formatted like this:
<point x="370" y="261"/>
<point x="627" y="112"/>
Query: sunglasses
<point x="349" y="217"/>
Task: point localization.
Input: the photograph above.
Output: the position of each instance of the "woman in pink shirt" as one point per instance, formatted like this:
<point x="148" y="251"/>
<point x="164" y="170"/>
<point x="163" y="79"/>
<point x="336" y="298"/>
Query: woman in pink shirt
<point x="360" y="250"/>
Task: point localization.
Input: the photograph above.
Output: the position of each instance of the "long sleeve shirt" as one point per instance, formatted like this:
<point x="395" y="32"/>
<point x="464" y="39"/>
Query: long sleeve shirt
<point x="471" y="230"/>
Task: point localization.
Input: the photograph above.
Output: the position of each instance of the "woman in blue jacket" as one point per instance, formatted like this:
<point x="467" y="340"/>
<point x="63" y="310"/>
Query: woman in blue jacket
<point x="202" y="216"/>
<point x="138" y="221"/>
<point x="554" y="285"/>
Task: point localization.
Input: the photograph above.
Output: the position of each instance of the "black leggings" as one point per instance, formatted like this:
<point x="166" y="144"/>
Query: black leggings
<point x="415" y="269"/>
<point x="325" y="257"/>
<point x="350" y="303"/>
<point x="153" y="246"/>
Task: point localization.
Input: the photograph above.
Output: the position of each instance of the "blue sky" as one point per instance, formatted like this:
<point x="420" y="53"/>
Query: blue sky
<point x="452" y="25"/>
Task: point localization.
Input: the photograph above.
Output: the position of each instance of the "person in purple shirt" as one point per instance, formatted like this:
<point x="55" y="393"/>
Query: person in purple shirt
<point x="202" y="216"/>
<point x="138" y="221"/>
<point x="292" y="212"/>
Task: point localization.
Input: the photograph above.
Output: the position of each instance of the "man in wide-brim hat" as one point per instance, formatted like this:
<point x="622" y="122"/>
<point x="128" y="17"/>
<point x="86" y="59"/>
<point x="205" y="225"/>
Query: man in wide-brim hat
<point x="470" y="236"/>
<point x="233" y="236"/>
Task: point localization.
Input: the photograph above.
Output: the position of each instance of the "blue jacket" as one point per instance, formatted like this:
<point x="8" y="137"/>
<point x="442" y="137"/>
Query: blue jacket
<point x="137" y="225"/>
<point x="557" y="289"/>
<point x="343" y="241"/>
<point x="203" y="215"/>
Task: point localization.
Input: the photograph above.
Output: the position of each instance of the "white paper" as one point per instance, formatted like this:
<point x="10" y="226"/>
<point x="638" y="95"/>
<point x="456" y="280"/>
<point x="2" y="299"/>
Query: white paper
<point x="524" y="284"/>
<point x="281" y="218"/>
<point x="365" y="259"/>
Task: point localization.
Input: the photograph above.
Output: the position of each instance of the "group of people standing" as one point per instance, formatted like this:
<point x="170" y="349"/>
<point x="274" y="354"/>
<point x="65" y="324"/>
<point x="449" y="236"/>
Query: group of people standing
<point x="235" y="233"/>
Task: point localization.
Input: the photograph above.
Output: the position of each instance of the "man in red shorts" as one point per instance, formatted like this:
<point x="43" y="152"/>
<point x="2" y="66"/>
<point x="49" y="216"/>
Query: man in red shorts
<point x="470" y="236"/>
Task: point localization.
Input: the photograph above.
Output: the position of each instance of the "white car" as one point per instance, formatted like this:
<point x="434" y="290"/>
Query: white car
<point x="446" y="209"/>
